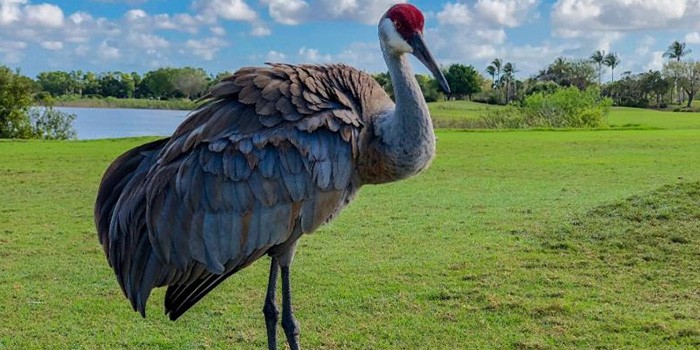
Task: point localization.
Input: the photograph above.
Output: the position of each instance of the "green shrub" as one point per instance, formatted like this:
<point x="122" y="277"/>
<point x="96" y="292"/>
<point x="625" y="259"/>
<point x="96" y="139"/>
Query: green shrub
<point x="564" y="108"/>
<point x="15" y="99"/>
<point x="51" y="124"/>
<point x="567" y="108"/>
<point x="19" y="121"/>
<point x="547" y="87"/>
<point x="492" y="97"/>
<point x="510" y="117"/>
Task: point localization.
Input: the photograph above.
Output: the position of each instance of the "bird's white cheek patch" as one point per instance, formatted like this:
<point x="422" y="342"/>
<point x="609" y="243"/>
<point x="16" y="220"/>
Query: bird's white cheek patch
<point x="392" y="38"/>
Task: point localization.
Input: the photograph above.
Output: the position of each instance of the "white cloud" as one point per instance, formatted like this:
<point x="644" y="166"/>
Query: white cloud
<point x="44" y="15"/>
<point x="645" y="45"/>
<point x="135" y="15"/>
<point x="605" y="40"/>
<point x="81" y="27"/>
<point x="12" y="51"/>
<point x="260" y="30"/>
<point x="692" y="38"/>
<point x="288" y="12"/>
<point x="10" y="11"/>
<point x="274" y="56"/>
<point x="234" y="10"/>
<point x="206" y="48"/>
<point x="147" y="41"/>
<point x="477" y="32"/>
<point x="313" y="56"/>
<point x="163" y="21"/>
<point x="455" y="14"/>
<point x="107" y="52"/>
<point x="181" y="22"/>
<point x="129" y="2"/>
<point x="79" y="18"/>
<point x="509" y="13"/>
<point x="577" y="18"/>
<point x="82" y="50"/>
<point x="495" y="36"/>
<point x="657" y="61"/>
<point x="52" y="45"/>
<point x="217" y="30"/>
<point x="529" y="59"/>
<point x="363" y="55"/>
<point x="293" y="12"/>
<point x="600" y="24"/>
<point x="8" y="45"/>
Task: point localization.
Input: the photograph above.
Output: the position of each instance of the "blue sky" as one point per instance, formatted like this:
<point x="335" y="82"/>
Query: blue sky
<point x="223" y="35"/>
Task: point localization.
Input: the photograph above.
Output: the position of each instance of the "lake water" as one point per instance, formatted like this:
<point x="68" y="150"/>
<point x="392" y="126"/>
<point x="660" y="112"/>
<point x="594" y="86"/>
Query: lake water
<point x="101" y="123"/>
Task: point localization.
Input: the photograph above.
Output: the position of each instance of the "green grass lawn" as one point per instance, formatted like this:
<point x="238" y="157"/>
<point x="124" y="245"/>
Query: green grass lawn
<point x="621" y="116"/>
<point x="511" y="240"/>
<point x="458" y="109"/>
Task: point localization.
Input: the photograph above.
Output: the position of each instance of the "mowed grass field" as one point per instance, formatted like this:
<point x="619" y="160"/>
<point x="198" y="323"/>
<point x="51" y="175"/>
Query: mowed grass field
<point x="511" y="240"/>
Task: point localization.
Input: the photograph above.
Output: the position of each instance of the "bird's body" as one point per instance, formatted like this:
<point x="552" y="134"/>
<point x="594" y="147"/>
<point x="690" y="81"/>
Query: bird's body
<point x="273" y="153"/>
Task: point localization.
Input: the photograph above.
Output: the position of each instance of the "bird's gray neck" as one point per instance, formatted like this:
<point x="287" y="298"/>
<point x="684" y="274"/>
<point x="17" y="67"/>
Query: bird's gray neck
<point x="407" y="131"/>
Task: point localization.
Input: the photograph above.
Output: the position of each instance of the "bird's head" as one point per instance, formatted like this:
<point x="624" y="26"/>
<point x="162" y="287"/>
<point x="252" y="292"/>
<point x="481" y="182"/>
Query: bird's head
<point x="401" y="32"/>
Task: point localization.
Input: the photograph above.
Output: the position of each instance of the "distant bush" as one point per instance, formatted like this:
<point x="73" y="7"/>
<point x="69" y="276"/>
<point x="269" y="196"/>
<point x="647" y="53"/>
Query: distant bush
<point x="568" y="108"/>
<point x="547" y="87"/>
<point x="492" y="97"/>
<point x="564" y="108"/>
<point x="20" y="121"/>
<point x="51" y="124"/>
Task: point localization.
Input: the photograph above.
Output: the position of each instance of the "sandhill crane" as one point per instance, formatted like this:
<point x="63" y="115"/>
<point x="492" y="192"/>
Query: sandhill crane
<point x="274" y="152"/>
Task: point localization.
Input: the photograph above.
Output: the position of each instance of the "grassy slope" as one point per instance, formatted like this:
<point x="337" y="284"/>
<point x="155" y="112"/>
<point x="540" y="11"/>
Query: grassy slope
<point x="448" y="110"/>
<point x="620" y="116"/>
<point x="511" y="240"/>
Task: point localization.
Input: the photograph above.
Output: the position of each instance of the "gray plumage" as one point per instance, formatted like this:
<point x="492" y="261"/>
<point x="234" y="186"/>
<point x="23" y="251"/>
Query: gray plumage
<point x="273" y="153"/>
<point x="241" y="177"/>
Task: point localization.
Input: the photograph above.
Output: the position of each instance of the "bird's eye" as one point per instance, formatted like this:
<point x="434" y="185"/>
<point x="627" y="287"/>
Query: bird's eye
<point x="397" y="24"/>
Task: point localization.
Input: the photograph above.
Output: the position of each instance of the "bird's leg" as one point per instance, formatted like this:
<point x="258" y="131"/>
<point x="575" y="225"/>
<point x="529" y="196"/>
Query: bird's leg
<point x="289" y="323"/>
<point x="270" y="309"/>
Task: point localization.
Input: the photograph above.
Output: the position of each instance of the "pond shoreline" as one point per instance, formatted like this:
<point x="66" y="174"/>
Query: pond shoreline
<point x="130" y="103"/>
<point x="107" y="123"/>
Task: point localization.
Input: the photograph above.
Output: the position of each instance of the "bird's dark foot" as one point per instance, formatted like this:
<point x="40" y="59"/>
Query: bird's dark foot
<point x="291" y="330"/>
<point x="289" y="323"/>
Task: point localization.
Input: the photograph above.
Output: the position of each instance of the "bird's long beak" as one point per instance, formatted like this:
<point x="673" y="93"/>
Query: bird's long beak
<point x="421" y="51"/>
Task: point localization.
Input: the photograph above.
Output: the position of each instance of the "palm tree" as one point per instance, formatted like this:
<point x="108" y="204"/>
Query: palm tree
<point x="508" y="75"/>
<point x="676" y="51"/>
<point x="492" y="72"/>
<point x="612" y="60"/>
<point x="498" y="64"/>
<point x="598" y="57"/>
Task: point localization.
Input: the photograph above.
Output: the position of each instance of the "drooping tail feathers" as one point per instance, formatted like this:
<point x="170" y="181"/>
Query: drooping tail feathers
<point x="120" y="222"/>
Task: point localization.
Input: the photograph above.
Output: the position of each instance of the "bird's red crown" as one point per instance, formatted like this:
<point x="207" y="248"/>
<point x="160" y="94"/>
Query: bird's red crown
<point x="407" y="19"/>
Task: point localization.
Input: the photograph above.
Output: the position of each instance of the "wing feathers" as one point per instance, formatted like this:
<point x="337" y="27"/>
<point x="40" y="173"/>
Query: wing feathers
<point x="271" y="155"/>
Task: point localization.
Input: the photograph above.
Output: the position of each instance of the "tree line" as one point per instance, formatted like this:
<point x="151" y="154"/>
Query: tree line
<point x="160" y="84"/>
<point x="678" y="82"/>
<point x="192" y="83"/>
